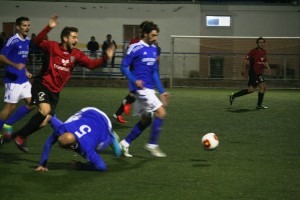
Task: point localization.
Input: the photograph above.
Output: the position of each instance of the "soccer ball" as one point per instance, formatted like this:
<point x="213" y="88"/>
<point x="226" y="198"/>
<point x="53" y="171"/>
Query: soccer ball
<point x="210" y="141"/>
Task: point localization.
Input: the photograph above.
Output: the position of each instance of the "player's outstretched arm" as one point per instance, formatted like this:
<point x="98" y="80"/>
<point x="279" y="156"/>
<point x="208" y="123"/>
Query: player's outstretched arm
<point x="42" y="35"/>
<point x="52" y="139"/>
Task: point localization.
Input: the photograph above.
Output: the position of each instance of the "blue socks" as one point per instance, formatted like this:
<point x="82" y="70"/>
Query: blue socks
<point x="137" y="130"/>
<point x="19" y="114"/>
<point x="1" y="124"/>
<point x="156" y="127"/>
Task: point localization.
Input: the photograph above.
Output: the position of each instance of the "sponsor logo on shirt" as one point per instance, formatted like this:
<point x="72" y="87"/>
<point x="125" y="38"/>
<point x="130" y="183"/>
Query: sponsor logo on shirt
<point x="24" y="53"/>
<point x="65" y="62"/>
<point x="149" y="61"/>
<point x="262" y="61"/>
<point x="63" y="68"/>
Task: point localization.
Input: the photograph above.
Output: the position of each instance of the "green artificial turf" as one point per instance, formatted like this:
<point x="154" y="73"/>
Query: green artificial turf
<point x="258" y="156"/>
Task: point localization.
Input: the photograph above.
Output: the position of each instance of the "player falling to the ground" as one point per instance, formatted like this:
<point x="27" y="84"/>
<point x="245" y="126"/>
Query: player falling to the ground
<point x="56" y="71"/>
<point x="255" y="64"/>
<point x="87" y="132"/>
<point x="145" y="76"/>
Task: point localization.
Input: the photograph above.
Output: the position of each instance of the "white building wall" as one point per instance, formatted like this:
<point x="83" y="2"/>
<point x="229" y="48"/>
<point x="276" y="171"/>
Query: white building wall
<point x="173" y="19"/>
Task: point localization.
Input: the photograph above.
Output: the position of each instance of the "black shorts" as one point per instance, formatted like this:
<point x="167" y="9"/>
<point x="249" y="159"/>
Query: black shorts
<point x="254" y="80"/>
<point x="41" y="94"/>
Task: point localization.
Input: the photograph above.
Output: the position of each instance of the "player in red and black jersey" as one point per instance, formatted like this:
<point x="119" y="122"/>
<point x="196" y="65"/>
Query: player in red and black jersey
<point x="56" y="71"/>
<point x="255" y="64"/>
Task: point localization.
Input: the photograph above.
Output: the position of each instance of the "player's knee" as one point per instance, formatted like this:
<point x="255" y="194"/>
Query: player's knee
<point x="161" y="113"/>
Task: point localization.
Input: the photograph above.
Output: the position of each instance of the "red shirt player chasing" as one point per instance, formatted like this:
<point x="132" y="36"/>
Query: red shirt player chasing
<point x="61" y="58"/>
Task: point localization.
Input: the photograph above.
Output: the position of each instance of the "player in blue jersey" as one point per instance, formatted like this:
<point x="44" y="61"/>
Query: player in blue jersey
<point x="14" y="54"/>
<point x="129" y="99"/>
<point x="87" y="132"/>
<point x="145" y="76"/>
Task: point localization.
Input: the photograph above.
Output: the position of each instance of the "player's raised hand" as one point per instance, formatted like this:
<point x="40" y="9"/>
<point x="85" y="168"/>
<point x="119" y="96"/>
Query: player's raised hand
<point x="41" y="169"/>
<point x="53" y="21"/>
<point x="110" y="51"/>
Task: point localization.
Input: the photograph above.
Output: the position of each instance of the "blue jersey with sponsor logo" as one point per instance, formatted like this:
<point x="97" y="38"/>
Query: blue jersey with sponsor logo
<point x="16" y="50"/>
<point x="144" y="59"/>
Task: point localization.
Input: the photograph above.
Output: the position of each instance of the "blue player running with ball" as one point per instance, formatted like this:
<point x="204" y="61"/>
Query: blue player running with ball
<point x="145" y="77"/>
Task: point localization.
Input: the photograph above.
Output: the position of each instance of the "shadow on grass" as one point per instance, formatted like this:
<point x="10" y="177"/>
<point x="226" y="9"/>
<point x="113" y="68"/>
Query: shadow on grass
<point x="200" y="163"/>
<point x="9" y="157"/>
<point x="240" y="110"/>
<point x="124" y="164"/>
<point x="117" y="126"/>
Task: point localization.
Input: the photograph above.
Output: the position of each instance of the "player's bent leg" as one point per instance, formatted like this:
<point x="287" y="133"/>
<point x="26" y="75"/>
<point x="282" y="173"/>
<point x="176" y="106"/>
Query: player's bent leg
<point x="21" y="112"/>
<point x="32" y="126"/>
<point x="152" y="145"/>
<point x="115" y="144"/>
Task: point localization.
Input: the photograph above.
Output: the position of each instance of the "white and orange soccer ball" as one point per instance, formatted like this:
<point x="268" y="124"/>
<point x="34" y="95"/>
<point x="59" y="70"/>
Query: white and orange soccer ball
<point x="210" y="141"/>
